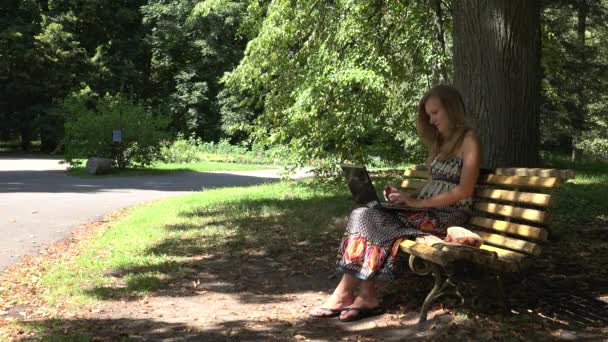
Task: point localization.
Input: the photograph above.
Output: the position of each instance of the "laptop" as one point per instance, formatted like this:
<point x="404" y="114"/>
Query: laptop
<point x="363" y="191"/>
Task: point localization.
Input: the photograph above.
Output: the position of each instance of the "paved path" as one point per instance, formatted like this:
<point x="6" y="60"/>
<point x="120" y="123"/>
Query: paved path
<point x="40" y="204"/>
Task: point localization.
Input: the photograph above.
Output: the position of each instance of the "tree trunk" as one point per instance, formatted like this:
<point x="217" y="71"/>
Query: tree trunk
<point x="440" y="73"/>
<point x="580" y="111"/>
<point x="497" y="69"/>
<point x="26" y="131"/>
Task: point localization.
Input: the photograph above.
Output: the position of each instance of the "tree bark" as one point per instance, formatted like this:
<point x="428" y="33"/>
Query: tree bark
<point x="580" y="112"/>
<point x="440" y="74"/>
<point x="497" y="69"/>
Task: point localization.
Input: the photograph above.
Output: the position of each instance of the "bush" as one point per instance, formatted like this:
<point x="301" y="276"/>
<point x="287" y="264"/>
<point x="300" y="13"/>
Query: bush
<point x="90" y="122"/>
<point x="191" y="150"/>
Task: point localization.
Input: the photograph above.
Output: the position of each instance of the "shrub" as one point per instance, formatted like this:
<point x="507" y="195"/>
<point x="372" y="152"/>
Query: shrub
<point x="181" y="150"/>
<point x="190" y="150"/>
<point x="90" y="122"/>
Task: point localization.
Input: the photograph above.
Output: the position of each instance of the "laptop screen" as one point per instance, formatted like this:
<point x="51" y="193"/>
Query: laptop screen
<point x="360" y="184"/>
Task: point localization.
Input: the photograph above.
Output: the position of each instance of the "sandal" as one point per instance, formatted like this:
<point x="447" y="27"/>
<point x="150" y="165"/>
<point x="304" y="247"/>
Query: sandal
<point x="363" y="313"/>
<point x="332" y="313"/>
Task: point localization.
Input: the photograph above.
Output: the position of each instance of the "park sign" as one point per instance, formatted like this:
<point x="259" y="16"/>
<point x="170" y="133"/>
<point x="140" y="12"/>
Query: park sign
<point x="117" y="135"/>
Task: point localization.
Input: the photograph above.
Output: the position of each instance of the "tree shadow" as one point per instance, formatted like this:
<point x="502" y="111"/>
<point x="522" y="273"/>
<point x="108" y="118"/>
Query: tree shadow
<point x="283" y="246"/>
<point x="231" y="330"/>
<point x="264" y="257"/>
<point x="563" y="287"/>
<point x="55" y="181"/>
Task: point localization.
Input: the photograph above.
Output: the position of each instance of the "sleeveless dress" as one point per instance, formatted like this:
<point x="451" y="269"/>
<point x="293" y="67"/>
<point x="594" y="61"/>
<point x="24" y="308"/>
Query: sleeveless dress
<point x="370" y="244"/>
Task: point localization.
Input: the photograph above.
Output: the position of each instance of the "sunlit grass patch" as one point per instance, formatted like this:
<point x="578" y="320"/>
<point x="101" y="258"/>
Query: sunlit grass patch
<point x="153" y="244"/>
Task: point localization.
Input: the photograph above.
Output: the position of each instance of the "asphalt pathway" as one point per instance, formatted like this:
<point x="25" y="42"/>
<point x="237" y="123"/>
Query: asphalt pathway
<point x="40" y="204"/>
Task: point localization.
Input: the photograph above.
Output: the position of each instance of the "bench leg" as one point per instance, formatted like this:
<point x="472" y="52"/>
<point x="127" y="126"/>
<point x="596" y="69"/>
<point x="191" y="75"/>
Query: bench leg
<point x="501" y="292"/>
<point x="441" y="283"/>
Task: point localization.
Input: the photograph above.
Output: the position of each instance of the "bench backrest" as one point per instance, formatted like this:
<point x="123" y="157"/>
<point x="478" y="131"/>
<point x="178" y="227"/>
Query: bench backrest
<point x="510" y="207"/>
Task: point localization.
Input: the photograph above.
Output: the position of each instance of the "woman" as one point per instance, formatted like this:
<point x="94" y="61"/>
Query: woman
<point x="371" y="243"/>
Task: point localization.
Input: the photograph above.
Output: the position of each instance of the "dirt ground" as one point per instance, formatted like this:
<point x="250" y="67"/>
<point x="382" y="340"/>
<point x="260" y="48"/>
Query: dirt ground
<point x="249" y="304"/>
<point x="238" y="296"/>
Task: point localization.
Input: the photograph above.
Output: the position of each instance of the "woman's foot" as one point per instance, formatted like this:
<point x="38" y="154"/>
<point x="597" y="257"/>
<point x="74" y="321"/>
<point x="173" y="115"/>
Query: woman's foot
<point x="333" y="306"/>
<point x="360" y="308"/>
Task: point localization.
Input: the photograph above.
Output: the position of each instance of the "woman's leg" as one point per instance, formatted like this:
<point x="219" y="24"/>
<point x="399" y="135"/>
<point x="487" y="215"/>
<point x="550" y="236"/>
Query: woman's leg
<point x="342" y="296"/>
<point x="366" y="299"/>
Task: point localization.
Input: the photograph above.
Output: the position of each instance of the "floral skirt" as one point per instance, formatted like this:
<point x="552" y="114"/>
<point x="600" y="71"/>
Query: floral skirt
<point x="370" y="244"/>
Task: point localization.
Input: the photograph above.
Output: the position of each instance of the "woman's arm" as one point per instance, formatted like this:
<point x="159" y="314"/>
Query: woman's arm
<point x="471" y="155"/>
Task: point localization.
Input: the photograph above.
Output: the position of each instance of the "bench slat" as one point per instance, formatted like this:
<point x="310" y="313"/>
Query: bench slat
<point x="520" y="171"/>
<point x="416" y="174"/>
<point x="504" y="260"/>
<point x="510" y="243"/>
<point x="498" y="258"/>
<point x="412" y="184"/>
<point x="425" y="252"/>
<point x="532" y="215"/>
<point x="525" y="231"/>
<point x="504" y="253"/>
<point x="499" y="264"/>
<point x="520" y="181"/>
<point x="543" y="200"/>
<point x="538" y="172"/>
<point x="420" y="167"/>
<point x="496" y="194"/>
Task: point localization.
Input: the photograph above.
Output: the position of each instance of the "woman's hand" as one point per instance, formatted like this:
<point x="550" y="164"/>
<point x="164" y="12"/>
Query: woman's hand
<point x="392" y="194"/>
<point x="412" y="201"/>
<point x="395" y="197"/>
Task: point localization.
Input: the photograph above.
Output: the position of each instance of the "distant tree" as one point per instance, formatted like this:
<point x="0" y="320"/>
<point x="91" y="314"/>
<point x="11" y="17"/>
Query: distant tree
<point x="60" y="63"/>
<point x="338" y="80"/>
<point x="113" y="36"/>
<point x="193" y="43"/>
<point x="19" y="24"/>
<point x="574" y="54"/>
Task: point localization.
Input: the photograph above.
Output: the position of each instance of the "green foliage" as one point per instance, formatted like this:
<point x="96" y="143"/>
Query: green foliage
<point x="90" y="122"/>
<point x="112" y="34"/>
<point x="339" y="81"/>
<point x="594" y="142"/>
<point x="195" y="150"/>
<point x="192" y="44"/>
<point x="61" y="61"/>
<point x="19" y="24"/>
<point x="574" y="52"/>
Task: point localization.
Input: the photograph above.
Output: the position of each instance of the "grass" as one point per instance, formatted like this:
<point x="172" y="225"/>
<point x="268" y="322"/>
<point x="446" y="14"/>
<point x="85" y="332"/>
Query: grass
<point x="152" y="244"/>
<point x="14" y="147"/>
<point x="166" y="168"/>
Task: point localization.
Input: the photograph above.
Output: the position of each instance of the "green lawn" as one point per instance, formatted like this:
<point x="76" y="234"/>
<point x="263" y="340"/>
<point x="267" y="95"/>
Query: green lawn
<point x="154" y="240"/>
<point x="152" y="246"/>
<point x="165" y="168"/>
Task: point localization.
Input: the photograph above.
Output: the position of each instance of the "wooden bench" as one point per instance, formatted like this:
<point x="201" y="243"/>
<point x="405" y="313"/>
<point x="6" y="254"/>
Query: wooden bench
<point x="510" y="214"/>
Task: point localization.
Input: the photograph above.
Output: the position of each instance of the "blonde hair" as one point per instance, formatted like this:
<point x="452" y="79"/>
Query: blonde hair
<point x="442" y="147"/>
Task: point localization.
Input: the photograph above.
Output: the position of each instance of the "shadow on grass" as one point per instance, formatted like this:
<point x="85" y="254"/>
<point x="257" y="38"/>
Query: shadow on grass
<point x="228" y="330"/>
<point x="273" y="247"/>
<point x="264" y="247"/>
<point x="81" y="172"/>
<point x="565" y="282"/>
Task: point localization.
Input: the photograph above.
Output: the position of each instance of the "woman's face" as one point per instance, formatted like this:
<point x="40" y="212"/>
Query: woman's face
<point x="438" y="116"/>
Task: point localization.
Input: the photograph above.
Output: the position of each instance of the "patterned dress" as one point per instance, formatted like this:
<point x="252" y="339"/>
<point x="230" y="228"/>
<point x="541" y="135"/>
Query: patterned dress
<point x="371" y="242"/>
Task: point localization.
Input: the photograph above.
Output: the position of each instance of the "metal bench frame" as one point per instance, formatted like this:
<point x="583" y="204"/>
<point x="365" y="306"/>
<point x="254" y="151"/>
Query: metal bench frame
<point x="510" y="214"/>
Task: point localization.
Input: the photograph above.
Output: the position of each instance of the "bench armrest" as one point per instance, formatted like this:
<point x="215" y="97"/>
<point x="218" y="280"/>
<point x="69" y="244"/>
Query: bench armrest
<point x="426" y="252"/>
<point x="444" y="254"/>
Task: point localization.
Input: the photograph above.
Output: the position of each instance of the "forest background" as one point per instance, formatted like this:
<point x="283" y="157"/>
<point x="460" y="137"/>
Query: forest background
<point x="323" y="81"/>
